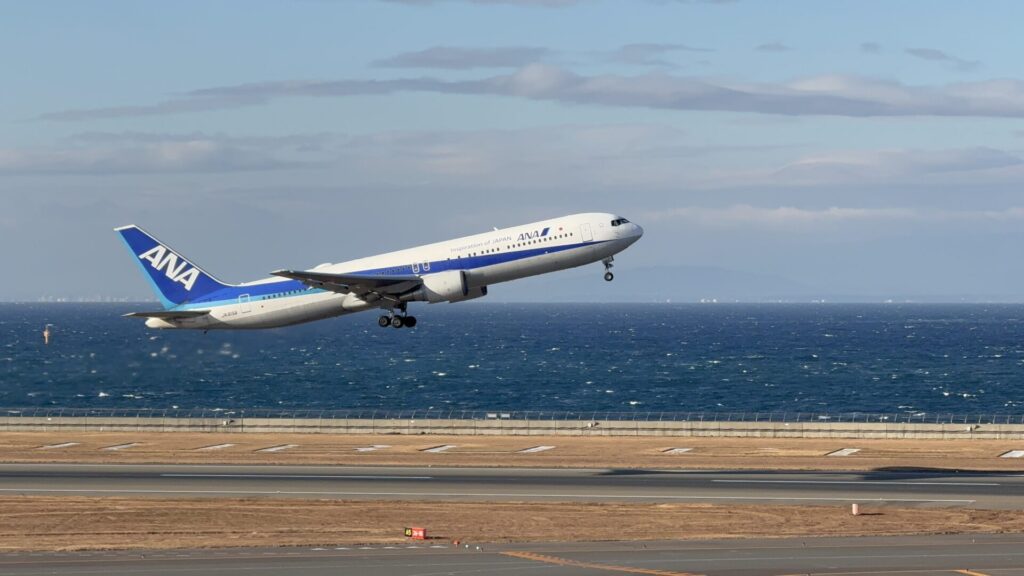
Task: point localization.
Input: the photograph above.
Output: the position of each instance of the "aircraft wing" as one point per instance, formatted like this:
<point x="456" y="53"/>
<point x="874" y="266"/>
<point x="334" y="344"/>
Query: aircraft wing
<point x="353" y="283"/>
<point x="168" y="314"/>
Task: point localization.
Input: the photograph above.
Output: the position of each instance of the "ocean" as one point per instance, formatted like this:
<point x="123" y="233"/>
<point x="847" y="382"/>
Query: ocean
<point x="828" y="358"/>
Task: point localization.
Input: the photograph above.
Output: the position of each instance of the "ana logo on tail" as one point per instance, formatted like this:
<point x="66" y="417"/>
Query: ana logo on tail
<point x="160" y="258"/>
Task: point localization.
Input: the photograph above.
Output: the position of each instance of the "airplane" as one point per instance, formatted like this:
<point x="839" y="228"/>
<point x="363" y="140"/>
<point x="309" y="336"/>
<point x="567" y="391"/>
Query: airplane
<point x="449" y="271"/>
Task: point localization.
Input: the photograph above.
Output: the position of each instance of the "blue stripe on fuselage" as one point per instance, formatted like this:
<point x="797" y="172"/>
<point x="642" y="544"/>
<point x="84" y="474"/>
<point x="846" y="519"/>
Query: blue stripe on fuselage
<point x="285" y="287"/>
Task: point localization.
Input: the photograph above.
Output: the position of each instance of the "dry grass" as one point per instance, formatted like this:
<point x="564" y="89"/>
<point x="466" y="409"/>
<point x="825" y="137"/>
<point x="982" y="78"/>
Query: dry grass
<point x="75" y="523"/>
<point x="66" y="522"/>
<point x="570" y="451"/>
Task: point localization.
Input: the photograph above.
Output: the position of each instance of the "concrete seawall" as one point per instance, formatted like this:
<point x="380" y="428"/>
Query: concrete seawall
<point x="879" y="430"/>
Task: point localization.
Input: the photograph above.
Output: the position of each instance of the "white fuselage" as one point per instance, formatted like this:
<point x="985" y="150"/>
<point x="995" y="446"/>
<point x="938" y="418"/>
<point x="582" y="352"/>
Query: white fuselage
<point x="488" y="258"/>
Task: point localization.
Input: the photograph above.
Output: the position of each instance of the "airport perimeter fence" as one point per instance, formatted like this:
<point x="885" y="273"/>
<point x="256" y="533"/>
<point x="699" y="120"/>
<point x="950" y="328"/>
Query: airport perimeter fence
<point x="517" y="415"/>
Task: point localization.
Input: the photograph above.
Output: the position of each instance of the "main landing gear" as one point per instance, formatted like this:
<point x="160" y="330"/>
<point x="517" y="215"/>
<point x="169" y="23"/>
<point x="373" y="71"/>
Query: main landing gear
<point x="608" y="276"/>
<point x="396" y="321"/>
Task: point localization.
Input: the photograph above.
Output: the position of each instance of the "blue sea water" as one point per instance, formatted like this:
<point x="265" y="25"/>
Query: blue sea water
<point x="915" y="359"/>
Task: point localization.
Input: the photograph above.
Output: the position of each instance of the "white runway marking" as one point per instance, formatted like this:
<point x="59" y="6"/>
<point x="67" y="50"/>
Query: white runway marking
<point x="55" y="446"/>
<point x="536" y="449"/>
<point x="299" y="476"/>
<point x="896" y="482"/>
<point x="372" y="448"/>
<point x="844" y="452"/>
<point x="278" y="448"/>
<point x="438" y="449"/>
<point x="216" y="447"/>
<point x="120" y="446"/>
<point x="676" y="450"/>
<point x="28" y="490"/>
<point x="1013" y="454"/>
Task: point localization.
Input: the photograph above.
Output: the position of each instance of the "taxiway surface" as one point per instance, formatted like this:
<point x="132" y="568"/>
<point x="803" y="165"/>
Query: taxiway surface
<point x="990" y="555"/>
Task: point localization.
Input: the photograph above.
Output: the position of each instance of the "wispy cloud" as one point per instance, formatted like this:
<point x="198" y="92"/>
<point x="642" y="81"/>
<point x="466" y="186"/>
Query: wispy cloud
<point x="461" y="58"/>
<point x="544" y="3"/>
<point x="935" y="55"/>
<point x="772" y="47"/>
<point x="785" y="217"/>
<point x="894" y="166"/>
<point x="133" y="152"/>
<point x="820" y="95"/>
<point x="649" y="54"/>
<point x="549" y="3"/>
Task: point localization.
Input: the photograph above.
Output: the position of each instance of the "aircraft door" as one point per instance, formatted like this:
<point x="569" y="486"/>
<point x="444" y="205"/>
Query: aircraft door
<point x="244" y="304"/>
<point x="585" y="233"/>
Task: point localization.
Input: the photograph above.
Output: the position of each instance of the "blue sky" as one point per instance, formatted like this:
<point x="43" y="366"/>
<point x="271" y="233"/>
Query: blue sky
<point x="864" y="150"/>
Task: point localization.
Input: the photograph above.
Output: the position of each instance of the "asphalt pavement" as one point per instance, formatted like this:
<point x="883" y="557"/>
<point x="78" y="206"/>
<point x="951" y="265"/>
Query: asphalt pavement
<point x="988" y="555"/>
<point x="900" y="488"/>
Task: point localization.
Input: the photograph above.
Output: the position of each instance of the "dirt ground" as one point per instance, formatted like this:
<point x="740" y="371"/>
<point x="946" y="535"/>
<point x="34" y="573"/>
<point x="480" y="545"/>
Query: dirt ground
<point x="77" y="523"/>
<point x="568" y="451"/>
<point x="68" y="523"/>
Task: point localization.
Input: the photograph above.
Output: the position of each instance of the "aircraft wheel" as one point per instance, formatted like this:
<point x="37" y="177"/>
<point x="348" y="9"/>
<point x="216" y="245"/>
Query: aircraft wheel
<point x="409" y="321"/>
<point x="396" y="322"/>
<point x="383" y="321"/>
<point x="608" y="276"/>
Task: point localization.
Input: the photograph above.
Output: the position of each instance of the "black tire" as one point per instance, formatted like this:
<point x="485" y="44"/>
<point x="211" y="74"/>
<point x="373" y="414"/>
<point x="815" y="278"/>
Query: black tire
<point x="409" y="321"/>
<point x="608" y="276"/>
<point x="383" y="321"/>
<point x="396" y="322"/>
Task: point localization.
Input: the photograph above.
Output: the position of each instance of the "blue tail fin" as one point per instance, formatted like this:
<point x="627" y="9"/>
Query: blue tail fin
<point x="174" y="279"/>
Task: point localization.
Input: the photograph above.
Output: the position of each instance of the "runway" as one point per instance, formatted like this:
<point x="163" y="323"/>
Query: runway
<point x="920" y="488"/>
<point x="991" y="555"/>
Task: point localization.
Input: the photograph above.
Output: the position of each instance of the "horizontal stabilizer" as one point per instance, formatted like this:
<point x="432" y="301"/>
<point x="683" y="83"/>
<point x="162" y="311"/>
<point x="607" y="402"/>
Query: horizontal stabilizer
<point x="169" y="314"/>
<point x="352" y="283"/>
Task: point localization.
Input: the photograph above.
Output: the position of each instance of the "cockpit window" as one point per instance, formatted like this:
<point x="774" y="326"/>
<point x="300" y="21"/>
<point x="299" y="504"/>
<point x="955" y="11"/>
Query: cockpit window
<point x="618" y="221"/>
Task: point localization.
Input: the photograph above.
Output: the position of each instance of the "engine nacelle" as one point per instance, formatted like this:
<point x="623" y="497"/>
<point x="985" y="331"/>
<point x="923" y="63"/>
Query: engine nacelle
<point x="473" y="293"/>
<point x="447" y="286"/>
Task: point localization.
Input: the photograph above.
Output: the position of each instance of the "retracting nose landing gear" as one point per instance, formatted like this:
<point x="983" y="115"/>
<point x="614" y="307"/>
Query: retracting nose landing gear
<point x="608" y="276"/>
<point x="396" y="321"/>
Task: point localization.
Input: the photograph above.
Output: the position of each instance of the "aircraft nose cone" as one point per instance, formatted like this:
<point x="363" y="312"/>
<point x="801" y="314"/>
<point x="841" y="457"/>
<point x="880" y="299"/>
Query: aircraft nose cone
<point x="638" y="231"/>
